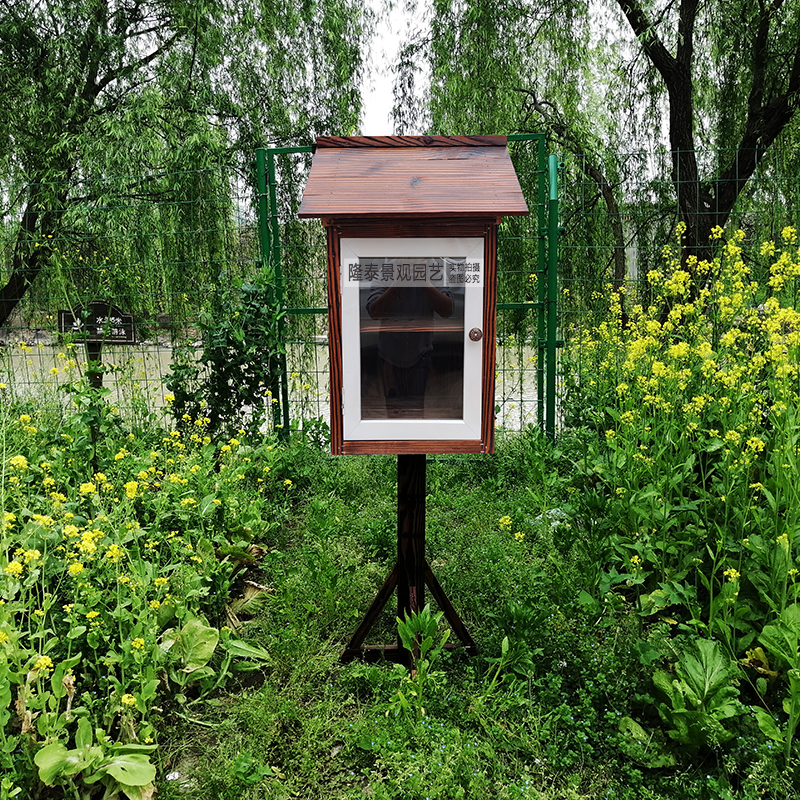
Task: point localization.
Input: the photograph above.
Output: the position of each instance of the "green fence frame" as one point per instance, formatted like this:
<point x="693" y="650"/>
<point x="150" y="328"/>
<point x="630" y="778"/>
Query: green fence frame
<point x="545" y="209"/>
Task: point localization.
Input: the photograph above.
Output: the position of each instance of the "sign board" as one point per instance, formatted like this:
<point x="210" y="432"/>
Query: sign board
<point x="98" y="321"/>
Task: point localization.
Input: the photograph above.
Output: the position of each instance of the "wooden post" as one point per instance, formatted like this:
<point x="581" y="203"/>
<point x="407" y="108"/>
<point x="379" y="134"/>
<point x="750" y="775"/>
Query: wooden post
<point x="410" y="535"/>
<point x="410" y="573"/>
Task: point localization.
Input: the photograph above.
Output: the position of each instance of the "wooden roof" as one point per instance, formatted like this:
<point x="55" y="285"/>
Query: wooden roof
<point x="412" y="176"/>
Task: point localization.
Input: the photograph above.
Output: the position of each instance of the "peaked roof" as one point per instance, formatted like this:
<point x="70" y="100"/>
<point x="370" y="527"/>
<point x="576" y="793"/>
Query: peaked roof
<point x="412" y="176"/>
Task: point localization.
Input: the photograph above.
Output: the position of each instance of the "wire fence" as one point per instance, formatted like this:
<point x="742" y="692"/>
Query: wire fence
<point x="175" y="250"/>
<point x="619" y="210"/>
<point x="157" y="246"/>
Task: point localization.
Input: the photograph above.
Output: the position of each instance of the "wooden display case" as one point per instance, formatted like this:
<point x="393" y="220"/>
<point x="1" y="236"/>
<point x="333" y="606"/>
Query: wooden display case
<point x="412" y="261"/>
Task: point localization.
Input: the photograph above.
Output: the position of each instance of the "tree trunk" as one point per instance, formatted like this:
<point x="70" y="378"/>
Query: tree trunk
<point x="32" y="249"/>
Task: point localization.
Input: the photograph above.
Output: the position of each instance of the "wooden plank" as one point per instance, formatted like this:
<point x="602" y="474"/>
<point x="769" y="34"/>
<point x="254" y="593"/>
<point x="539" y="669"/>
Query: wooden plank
<point x="356" y="447"/>
<point x="381" y="599"/>
<point x="450" y="613"/>
<point x="489" y="339"/>
<point x="380" y="228"/>
<point x="411" y="141"/>
<point x="411" y="562"/>
<point x="371" y="182"/>
<point x="335" y="342"/>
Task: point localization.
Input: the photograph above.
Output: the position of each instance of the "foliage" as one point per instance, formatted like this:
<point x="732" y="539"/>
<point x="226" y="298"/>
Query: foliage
<point x="664" y="112"/>
<point x="418" y="633"/>
<point x="637" y="633"/>
<point x="117" y="563"/>
<point x="235" y="379"/>
<point x="94" y="90"/>
<point x="700" y="697"/>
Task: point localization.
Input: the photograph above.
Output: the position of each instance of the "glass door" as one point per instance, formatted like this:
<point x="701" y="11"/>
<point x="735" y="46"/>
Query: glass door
<point x="411" y="369"/>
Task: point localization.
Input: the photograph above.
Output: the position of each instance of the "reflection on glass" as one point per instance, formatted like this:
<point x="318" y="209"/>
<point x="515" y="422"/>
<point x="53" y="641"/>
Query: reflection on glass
<point x="412" y="349"/>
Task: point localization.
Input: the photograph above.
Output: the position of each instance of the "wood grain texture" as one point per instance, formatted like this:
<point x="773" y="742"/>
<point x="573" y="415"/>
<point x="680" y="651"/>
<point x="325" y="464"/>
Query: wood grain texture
<point x="411" y="469"/>
<point x="353" y="447"/>
<point x="489" y="336"/>
<point x="335" y="342"/>
<point x="382" y="228"/>
<point x="453" y="181"/>
<point x="410" y="141"/>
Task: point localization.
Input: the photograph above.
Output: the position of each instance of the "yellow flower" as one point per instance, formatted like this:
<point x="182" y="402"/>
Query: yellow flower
<point x="519" y="536"/>
<point x="137" y="643"/>
<point x="505" y="522"/>
<point x="87" y="488"/>
<point x="114" y="552"/>
<point x="3" y="634"/>
<point x="44" y="663"/>
<point x="160" y="582"/>
<point x="31" y="555"/>
<point x="13" y="568"/>
<point x="128" y="700"/>
<point x="755" y="444"/>
<point x="75" y="568"/>
<point x="731" y="574"/>
<point x="287" y="483"/>
<point x="131" y="488"/>
<point x="155" y="604"/>
<point x="19" y="462"/>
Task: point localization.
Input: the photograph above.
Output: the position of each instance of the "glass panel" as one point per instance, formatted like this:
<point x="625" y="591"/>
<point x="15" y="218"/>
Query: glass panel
<point x="412" y="338"/>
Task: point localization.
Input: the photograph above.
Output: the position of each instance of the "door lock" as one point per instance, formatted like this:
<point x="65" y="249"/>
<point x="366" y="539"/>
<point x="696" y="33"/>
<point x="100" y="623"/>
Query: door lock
<point x="476" y="334"/>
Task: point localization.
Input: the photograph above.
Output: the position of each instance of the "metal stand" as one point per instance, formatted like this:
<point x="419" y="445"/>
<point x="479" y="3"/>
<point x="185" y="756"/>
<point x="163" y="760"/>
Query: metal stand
<point x="410" y="574"/>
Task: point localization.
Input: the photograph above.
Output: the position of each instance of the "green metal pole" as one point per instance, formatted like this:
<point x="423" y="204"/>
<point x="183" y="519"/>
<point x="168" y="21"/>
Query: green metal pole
<point x="552" y="297"/>
<point x="279" y="292"/>
<point x="541" y="272"/>
<point x="265" y="239"/>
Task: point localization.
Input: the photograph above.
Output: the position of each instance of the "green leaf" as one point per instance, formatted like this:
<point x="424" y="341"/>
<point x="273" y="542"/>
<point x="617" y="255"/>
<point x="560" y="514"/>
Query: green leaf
<point x="207" y="505"/>
<point x="149" y="689"/>
<point x="196" y="643"/>
<point x="767" y="725"/>
<point x="83" y="736"/>
<point x="242" y="649"/>
<point x="51" y="761"/>
<point x="131" y="769"/>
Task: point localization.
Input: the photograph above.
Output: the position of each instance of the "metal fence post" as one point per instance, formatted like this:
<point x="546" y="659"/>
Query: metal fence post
<point x="283" y="428"/>
<point x="541" y="270"/>
<point x="267" y="252"/>
<point x="552" y="297"/>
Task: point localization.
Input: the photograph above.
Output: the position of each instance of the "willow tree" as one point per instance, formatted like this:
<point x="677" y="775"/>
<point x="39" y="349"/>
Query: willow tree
<point x="91" y="88"/>
<point x="720" y="76"/>
<point x="514" y="66"/>
<point x="729" y="71"/>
